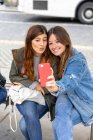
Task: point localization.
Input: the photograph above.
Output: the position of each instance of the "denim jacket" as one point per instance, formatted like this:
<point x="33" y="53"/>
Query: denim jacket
<point x="77" y="83"/>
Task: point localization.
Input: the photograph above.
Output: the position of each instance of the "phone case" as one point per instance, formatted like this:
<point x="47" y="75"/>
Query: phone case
<point x="44" y="71"/>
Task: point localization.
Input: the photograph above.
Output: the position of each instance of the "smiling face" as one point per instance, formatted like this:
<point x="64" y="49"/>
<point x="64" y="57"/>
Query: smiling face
<point x="39" y="44"/>
<point x="56" y="47"/>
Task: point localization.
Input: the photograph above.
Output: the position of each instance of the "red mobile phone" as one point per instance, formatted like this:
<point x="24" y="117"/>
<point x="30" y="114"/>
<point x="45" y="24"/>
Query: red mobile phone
<point x="44" y="71"/>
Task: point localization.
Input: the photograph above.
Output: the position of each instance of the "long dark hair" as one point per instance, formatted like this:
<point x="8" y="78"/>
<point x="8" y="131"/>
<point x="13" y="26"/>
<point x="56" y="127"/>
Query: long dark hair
<point x="63" y="37"/>
<point x="32" y="33"/>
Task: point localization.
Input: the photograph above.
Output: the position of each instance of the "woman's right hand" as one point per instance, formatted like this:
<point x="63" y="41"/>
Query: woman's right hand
<point x="51" y="84"/>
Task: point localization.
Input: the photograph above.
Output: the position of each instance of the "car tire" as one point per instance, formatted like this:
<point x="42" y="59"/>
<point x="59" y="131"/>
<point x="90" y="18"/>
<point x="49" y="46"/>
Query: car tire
<point x="85" y="13"/>
<point x="1" y="2"/>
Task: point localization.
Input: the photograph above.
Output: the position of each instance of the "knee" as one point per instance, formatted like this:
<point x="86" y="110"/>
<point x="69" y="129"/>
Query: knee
<point x="3" y="95"/>
<point x="28" y="109"/>
<point x="63" y="105"/>
<point x="22" y="126"/>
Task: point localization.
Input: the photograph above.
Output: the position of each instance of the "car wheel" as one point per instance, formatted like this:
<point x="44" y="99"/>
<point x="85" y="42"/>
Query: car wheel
<point x="85" y="13"/>
<point x="1" y="2"/>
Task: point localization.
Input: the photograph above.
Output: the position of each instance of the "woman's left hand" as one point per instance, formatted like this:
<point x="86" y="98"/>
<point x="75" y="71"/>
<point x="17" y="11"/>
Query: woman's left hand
<point x="17" y="85"/>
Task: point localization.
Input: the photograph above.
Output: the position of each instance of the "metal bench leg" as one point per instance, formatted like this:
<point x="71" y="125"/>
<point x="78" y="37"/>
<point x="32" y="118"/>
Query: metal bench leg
<point x="91" y="132"/>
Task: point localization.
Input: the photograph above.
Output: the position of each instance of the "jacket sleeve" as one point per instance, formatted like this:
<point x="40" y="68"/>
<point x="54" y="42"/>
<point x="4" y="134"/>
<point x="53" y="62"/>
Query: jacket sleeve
<point x="15" y="77"/>
<point x="72" y="77"/>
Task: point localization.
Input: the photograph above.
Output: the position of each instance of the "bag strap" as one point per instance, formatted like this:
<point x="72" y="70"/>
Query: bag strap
<point x="12" y="113"/>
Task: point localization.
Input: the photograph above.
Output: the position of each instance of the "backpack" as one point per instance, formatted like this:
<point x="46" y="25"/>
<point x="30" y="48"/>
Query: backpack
<point x="2" y="80"/>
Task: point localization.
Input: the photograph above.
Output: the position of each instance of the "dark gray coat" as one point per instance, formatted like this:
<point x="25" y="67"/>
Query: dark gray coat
<point x="16" y="67"/>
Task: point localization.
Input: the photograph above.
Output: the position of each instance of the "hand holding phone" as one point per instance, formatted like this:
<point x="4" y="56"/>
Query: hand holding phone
<point x="44" y="71"/>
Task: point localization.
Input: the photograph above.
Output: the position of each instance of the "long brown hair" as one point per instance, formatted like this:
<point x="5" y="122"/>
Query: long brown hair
<point x="32" y="33"/>
<point x="64" y="38"/>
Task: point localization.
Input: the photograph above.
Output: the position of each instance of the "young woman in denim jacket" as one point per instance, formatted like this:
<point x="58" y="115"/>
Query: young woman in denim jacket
<point x="74" y="89"/>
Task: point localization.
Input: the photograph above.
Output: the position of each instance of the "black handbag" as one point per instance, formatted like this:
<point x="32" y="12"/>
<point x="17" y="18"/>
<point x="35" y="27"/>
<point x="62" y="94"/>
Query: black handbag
<point x="50" y="101"/>
<point x="2" y="80"/>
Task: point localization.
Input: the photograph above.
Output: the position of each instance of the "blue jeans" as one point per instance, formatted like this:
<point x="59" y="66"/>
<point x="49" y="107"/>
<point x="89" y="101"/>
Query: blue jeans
<point x="30" y="125"/>
<point x="3" y="95"/>
<point x="65" y="117"/>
